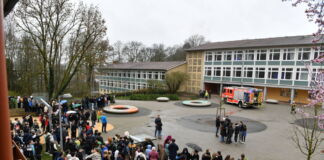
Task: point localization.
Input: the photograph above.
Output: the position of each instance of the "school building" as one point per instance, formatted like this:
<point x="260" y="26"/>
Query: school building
<point x="124" y="77"/>
<point x="276" y="65"/>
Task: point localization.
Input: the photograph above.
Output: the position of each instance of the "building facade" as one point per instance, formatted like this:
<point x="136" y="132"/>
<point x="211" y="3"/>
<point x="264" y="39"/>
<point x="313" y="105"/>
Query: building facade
<point x="134" y="76"/>
<point x="276" y="65"/>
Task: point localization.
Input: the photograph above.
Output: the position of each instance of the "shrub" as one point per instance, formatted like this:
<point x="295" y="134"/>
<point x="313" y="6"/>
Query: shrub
<point x="174" y="80"/>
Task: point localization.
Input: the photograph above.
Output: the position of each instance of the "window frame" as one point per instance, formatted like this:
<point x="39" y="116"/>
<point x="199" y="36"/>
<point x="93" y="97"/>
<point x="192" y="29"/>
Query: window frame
<point x="261" y="52"/>
<point x="273" y="53"/>
<point x="259" y="70"/>
<point x="271" y="71"/>
<point x="288" y="51"/>
<point x="284" y="73"/>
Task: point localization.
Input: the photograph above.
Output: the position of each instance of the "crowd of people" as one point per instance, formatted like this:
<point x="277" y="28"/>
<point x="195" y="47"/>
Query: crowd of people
<point x="31" y="104"/>
<point x="80" y="140"/>
<point x="227" y="129"/>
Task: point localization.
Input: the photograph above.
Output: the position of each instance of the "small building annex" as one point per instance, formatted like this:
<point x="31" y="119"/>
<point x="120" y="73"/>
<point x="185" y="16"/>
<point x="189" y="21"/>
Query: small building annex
<point x="122" y="77"/>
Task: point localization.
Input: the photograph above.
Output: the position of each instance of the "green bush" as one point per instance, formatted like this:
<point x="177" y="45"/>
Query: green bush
<point x="149" y="97"/>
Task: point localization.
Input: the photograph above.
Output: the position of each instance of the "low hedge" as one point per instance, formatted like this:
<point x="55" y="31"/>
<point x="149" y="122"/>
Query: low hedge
<point x="149" y="97"/>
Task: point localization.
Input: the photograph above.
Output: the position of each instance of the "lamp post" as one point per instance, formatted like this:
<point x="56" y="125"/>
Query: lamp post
<point x="60" y="121"/>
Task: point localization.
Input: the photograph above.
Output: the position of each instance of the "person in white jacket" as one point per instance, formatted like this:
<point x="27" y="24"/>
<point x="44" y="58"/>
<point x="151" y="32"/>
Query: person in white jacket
<point x="139" y="155"/>
<point x="95" y="155"/>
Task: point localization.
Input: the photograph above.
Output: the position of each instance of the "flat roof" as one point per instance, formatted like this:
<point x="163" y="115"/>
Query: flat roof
<point x="259" y="43"/>
<point x="144" y="65"/>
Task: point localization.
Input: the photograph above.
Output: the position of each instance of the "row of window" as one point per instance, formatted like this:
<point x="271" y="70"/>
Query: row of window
<point x="138" y="75"/>
<point x="286" y="54"/>
<point x="124" y="85"/>
<point x="259" y="72"/>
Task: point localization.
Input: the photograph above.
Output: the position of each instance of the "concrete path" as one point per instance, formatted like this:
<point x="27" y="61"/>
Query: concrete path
<point x="272" y="143"/>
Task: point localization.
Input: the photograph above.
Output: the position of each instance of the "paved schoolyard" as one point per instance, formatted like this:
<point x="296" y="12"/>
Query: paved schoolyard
<point x="271" y="125"/>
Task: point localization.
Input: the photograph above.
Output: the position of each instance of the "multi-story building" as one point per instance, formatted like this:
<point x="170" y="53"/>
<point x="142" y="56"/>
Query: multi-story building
<point x="277" y="65"/>
<point x="134" y="76"/>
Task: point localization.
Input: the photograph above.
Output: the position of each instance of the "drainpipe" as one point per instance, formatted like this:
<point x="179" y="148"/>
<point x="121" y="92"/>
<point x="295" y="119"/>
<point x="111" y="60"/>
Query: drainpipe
<point x="5" y="137"/>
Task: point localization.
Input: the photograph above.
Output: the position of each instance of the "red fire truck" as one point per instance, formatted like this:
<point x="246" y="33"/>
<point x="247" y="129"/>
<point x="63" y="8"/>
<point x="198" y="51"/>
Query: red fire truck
<point x="243" y="96"/>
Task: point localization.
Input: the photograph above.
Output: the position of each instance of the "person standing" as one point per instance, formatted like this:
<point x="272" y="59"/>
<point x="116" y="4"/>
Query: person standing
<point x="206" y="94"/>
<point x="243" y="130"/>
<point x="293" y="108"/>
<point x="104" y="123"/>
<point x="222" y="132"/>
<point x="218" y="122"/>
<point x="153" y="155"/>
<point x="158" y="127"/>
<point x="219" y="157"/>
<point x="243" y="157"/>
<point x="206" y="155"/>
<point x="194" y="155"/>
<point x="236" y="131"/>
<point x="173" y="149"/>
<point x="93" y="118"/>
<point x="230" y="131"/>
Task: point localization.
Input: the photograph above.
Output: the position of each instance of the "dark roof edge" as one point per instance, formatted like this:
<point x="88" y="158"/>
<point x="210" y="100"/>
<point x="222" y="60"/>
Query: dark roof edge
<point x="269" y="46"/>
<point x="184" y="62"/>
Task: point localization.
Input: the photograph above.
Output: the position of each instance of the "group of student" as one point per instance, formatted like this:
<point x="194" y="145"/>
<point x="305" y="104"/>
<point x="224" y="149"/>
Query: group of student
<point x="229" y="131"/>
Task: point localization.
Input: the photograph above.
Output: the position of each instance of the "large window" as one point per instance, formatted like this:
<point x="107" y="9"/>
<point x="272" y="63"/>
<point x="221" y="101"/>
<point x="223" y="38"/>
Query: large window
<point x="138" y="74"/>
<point x="209" y="56"/>
<point x="144" y="75"/>
<point x="304" y="53"/>
<point x="156" y="75"/>
<point x="273" y="73"/>
<point x="302" y="74"/>
<point x="228" y="56"/>
<point x="262" y="55"/>
<point x="286" y="73"/>
<point x="318" y="52"/>
<point x="226" y="71"/>
<point x="217" y="71"/>
<point x="238" y="56"/>
<point x="288" y="54"/>
<point x="218" y="56"/>
<point x="149" y="75"/>
<point x="237" y="72"/>
<point x="208" y="71"/>
<point x="274" y="54"/>
<point x="248" y="72"/>
<point x="195" y="61"/>
<point x="162" y="75"/>
<point x="249" y="55"/>
<point x="259" y="72"/>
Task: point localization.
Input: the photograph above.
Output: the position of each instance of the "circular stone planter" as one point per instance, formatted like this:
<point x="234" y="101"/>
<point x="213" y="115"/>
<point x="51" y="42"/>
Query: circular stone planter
<point x="121" y="109"/>
<point x="272" y="101"/>
<point x="162" y="99"/>
<point x="196" y="103"/>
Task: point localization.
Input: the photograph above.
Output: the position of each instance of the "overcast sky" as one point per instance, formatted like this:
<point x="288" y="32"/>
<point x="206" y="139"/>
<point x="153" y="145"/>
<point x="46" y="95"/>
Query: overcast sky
<point x="172" y="21"/>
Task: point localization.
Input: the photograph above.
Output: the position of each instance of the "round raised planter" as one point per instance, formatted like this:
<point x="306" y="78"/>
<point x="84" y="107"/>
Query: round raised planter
<point x="121" y="109"/>
<point x="272" y="101"/>
<point x="196" y="103"/>
<point x="162" y="99"/>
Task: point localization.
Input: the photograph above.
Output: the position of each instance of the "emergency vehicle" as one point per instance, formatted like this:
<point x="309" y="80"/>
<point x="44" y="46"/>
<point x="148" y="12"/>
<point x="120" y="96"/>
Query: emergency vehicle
<point x="242" y="96"/>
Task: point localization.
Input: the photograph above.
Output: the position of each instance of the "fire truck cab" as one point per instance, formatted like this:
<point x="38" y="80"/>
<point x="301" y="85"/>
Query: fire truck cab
<point x="242" y="96"/>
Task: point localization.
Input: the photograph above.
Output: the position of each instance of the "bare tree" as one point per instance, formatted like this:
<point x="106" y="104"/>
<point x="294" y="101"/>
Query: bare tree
<point x="308" y="138"/>
<point x="62" y="34"/>
<point x="132" y="51"/>
<point x="194" y="41"/>
<point x="158" y="52"/>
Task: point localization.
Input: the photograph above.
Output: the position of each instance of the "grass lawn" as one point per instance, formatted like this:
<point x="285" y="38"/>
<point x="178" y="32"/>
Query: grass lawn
<point x="19" y="112"/>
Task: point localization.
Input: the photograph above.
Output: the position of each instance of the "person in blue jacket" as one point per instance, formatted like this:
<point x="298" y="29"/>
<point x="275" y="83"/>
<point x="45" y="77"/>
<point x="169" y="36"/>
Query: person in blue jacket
<point x="104" y="123"/>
